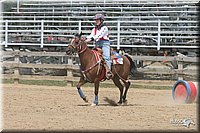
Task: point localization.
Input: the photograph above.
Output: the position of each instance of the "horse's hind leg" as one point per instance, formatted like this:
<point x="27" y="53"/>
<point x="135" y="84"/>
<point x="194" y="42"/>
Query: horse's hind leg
<point x="120" y="86"/>
<point x="80" y="83"/>
<point x="127" y="85"/>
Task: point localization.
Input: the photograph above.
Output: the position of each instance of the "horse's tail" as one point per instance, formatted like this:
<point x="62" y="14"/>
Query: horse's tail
<point x="133" y="66"/>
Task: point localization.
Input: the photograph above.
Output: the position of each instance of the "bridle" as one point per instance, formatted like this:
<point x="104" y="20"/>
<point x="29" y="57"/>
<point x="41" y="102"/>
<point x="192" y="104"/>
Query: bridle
<point x="77" y="43"/>
<point x="79" y="47"/>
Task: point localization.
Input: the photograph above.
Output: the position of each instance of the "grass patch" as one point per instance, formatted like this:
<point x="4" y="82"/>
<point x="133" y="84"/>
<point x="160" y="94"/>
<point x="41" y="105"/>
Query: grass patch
<point x="37" y="82"/>
<point x="43" y="82"/>
<point x="102" y="84"/>
<point x="7" y="81"/>
<point x="138" y="86"/>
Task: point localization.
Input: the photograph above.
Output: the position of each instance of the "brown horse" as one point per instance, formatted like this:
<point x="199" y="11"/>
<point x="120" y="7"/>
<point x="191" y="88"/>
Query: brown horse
<point x="92" y="69"/>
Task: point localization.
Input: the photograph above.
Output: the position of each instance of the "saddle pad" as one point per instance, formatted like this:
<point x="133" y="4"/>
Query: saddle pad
<point x="96" y="55"/>
<point x="118" y="60"/>
<point x="115" y="53"/>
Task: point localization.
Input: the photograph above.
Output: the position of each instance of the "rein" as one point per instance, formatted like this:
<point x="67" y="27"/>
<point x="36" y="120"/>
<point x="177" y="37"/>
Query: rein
<point x="82" y="50"/>
<point x="91" y="67"/>
<point x="79" y="46"/>
<point x="85" y="71"/>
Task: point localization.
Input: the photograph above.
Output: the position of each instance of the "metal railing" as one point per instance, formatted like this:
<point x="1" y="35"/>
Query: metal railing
<point x="131" y="34"/>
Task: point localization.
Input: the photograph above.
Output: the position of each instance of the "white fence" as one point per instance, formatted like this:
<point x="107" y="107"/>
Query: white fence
<point x="132" y="23"/>
<point x="161" y="34"/>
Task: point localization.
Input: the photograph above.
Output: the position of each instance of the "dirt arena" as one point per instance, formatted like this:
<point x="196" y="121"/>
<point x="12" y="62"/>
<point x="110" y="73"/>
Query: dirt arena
<point x="61" y="108"/>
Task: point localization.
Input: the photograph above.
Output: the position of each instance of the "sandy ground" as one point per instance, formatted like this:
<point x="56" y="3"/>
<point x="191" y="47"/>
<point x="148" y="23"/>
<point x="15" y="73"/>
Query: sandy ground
<point x="61" y="108"/>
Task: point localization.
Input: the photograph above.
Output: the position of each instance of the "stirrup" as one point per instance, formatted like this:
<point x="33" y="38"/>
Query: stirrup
<point x="109" y="75"/>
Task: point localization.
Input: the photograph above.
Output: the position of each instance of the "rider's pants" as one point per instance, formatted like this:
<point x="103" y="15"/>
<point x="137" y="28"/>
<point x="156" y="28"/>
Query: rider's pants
<point x="105" y="46"/>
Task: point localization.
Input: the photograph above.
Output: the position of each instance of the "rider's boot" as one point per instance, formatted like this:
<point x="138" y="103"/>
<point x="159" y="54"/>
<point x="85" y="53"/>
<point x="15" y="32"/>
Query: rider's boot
<point x="109" y="74"/>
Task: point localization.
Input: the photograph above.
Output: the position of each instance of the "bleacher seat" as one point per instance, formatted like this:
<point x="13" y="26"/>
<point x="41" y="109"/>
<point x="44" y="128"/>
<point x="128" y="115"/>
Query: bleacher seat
<point x="139" y="20"/>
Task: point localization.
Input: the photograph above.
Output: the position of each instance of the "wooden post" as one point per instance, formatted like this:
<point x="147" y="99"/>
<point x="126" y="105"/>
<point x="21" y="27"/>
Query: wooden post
<point x="69" y="72"/>
<point x="180" y="70"/>
<point x="180" y="65"/>
<point x="16" y="71"/>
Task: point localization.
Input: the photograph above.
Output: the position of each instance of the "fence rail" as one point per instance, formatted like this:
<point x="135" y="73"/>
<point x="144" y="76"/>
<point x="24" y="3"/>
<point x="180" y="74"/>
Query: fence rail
<point x="161" y="34"/>
<point x="70" y="67"/>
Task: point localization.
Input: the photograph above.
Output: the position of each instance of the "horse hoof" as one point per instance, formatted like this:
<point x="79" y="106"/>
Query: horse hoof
<point x="85" y="99"/>
<point x="94" y="104"/>
<point x="119" y="103"/>
<point x="124" y="102"/>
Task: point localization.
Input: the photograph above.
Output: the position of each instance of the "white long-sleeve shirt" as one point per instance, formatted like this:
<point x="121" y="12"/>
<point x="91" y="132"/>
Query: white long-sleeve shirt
<point x="99" y="34"/>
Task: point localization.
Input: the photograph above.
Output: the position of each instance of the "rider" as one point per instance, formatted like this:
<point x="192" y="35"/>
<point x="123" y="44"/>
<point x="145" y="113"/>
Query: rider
<point x="100" y="35"/>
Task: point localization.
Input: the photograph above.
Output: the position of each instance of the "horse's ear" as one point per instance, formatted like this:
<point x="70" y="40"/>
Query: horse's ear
<point x="80" y="34"/>
<point x="76" y="34"/>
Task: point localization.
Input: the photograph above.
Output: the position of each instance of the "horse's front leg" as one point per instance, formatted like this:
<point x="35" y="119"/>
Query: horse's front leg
<point x="96" y="91"/>
<point x="80" y="83"/>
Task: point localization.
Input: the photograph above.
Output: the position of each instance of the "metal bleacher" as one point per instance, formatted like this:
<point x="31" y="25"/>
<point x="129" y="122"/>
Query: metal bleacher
<point x="132" y="23"/>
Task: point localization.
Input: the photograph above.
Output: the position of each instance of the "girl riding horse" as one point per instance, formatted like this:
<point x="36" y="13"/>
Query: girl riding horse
<point x="100" y="35"/>
<point x="91" y="70"/>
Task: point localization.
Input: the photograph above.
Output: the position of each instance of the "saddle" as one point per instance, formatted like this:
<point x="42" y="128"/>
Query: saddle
<point x="114" y="56"/>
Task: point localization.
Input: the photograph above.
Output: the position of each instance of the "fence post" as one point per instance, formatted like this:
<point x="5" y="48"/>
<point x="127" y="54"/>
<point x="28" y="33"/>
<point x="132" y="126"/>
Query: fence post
<point x="158" y="43"/>
<point x="79" y="27"/>
<point x="18" y="3"/>
<point x="69" y="72"/>
<point x="16" y="71"/>
<point x="42" y="33"/>
<point x="180" y="68"/>
<point x="6" y="34"/>
<point x="118" y="34"/>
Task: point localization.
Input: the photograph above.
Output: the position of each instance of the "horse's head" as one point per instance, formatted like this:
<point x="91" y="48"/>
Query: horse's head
<point x="76" y="43"/>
